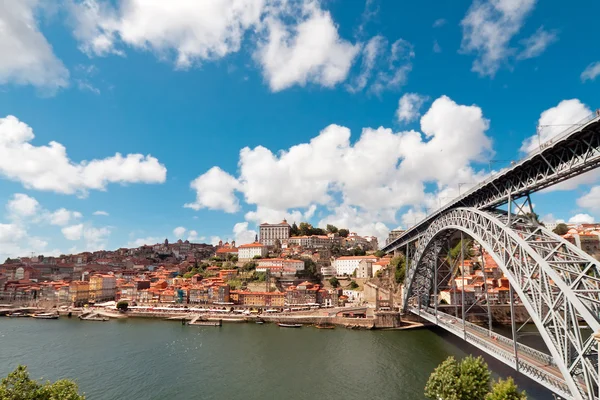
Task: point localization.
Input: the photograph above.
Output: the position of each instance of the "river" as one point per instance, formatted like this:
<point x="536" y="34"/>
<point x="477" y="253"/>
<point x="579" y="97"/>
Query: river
<point x="152" y="359"/>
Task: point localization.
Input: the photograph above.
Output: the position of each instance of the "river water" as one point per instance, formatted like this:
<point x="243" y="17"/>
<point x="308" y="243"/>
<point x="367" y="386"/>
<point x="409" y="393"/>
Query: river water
<point x="152" y="359"/>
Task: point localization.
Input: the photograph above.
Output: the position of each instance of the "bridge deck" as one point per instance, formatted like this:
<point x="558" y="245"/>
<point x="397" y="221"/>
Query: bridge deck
<point x="532" y="363"/>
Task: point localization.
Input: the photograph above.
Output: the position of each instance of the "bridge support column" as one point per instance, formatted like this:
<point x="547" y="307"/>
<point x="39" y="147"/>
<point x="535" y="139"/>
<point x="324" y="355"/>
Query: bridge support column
<point x="513" y="326"/>
<point x="462" y="285"/>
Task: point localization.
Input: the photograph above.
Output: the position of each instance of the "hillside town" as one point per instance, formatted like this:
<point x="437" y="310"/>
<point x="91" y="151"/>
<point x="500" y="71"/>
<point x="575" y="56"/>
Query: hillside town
<point x="287" y="266"/>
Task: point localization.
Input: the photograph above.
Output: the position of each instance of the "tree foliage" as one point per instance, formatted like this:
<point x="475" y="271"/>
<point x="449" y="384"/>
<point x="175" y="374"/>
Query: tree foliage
<point x="561" y="229"/>
<point x="332" y="228"/>
<point x="399" y="265"/>
<point x="333" y="281"/>
<point x="249" y="266"/>
<point x="344" y="232"/>
<point x="357" y="251"/>
<point x="19" y="386"/>
<point x="295" y="231"/>
<point x="379" y="253"/>
<point x="505" y="390"/>
<point x="353" y="285"/>
<point x="122" y="305"/>
<point x="465" y="380"/>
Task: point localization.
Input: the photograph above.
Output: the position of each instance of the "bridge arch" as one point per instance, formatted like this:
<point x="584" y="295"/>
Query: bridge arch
<point x="558" y="284"/>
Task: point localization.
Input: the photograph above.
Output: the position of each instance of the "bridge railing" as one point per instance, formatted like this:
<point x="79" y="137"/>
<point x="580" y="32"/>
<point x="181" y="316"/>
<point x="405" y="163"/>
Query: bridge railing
<point x="539" y="374"/>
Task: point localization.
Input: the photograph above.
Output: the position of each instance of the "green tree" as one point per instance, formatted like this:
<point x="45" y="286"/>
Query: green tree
<point x="505" y="390"/>
<point x="305" y="229"/>
<point x="19" y="386"/>
<point x="357" y="251"/>
<point x="332" y="228"/>
<point x="353" y="285"/>
<point x="379" y="253"/>
<point x="249" y="266"/>
<point x="399" y="265"/>
<point x="333" y="281"/>
<point x="295" y="231"/>
<point x="344" y="232"/>
<point x="561" y="229"/>
<point x="122" y="305"/>
<point x="465" y="380"/>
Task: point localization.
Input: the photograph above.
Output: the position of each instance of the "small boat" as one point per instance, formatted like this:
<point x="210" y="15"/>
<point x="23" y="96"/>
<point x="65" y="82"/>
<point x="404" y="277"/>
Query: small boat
<point x="260" y="322"/>
<point x="101" y="319"/>
<point x="45" y="316"/>
<point x="289" y="325"/>
<point x="206" y="323"/>
<point x="17" y="315"/>
<point x="324" y="326"/>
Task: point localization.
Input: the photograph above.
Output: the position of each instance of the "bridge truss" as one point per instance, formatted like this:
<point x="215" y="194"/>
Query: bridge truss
<point x="555" y="281"/>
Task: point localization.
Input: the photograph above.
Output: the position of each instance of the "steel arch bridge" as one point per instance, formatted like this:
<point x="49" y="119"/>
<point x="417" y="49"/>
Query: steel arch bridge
<point x="557" y="283"/>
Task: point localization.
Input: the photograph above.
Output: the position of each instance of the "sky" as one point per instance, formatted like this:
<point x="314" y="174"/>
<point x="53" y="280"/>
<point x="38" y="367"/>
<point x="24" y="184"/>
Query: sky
<point x="126" y="122"/>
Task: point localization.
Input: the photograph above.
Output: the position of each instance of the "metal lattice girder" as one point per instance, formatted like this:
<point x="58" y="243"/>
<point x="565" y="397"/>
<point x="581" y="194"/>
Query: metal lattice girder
<point x="569" y="155"/>
<point x="558" y="284"/>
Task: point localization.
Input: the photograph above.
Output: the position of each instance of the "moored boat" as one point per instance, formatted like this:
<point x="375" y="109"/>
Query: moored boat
<point x="17" y="315"/>
<point x="324" y="326"/>
<point x="289" y="325"/>
<point x="98" y="318"/>
<point x="45" y="316"/>
<point x="206" y="323"/>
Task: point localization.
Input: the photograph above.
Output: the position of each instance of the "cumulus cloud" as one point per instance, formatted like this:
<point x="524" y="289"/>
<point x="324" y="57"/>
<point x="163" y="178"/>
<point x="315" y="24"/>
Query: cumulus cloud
<point x="329" y="171"/>
<point x="554" y="121"/>
<point x="27" y="57"/>
<point x="73" y="232"/>
<point x="591" y="72"/>
<point x="49" y="168"/>
<point x="488" y="29"/>
<point x="150" y="240"/>
<point x="294" y="43"/>
<point x="100" y="212"/>
<point x="62" y="216"/>
<point x="215" y="190"/>
<point x="179" y="232"/>
<point x="22" y="205"/>
<point x="591" y="200"/>
<point x="194" y="237"/>
<point x="96" y="238"/>
<point x="581" y="219"/>
<point x="370" y="53"/>
<point x="306" y="51"/>
<point x="537" y="43"/>
<point x="409" y="107"/>
<point x="439" y="23"/>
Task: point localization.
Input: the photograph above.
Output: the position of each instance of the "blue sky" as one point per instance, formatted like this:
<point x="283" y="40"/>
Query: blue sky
<point x="179" y="89"/>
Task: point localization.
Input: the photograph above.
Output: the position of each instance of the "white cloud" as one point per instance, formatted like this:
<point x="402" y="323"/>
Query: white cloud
<point x="436" y="47"/>
<point x="73" y="232"/>
<point x="179" y="232"/>
<point x="22" y="205"/>
<point x="96" y="238"/>
<point x="193" y="30"/>
<point x="370" y="53"/>
<point x="362" y="222"/>
<point x="329" y="171"/>
<point x="27" y="57"/>
<point x="215" y="190"/>
<point x="242" y="234"/>
<point x="49" y="168"/>
<point x="409" y="107"/>
<point x="193" y="237"/>
<point x="591" y="72"/>
<point x="100" y="212"/>
<point x="439" y="23"/>
<point x="537" y="43"/>
<point x="308" y="51"/>
<point x="581" y="219"/>
<point x="556" y="120"/>
<point x="488" y="29"/>
<point x="399" y="64"/>
<point x="295" y="43"/>
<point x="62" y="216"/>
<point x="150" y="240"/>
<point x="551" y="219"/>
<point x="591" y="200"/>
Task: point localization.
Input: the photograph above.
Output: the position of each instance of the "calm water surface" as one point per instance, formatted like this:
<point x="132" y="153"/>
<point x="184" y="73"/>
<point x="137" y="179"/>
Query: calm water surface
<point x="138" y="359"/>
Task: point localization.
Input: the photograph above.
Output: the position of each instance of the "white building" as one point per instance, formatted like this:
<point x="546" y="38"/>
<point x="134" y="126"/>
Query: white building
<point x="347" y="265"/>
<point x="270" y="263"/>
<point x="247" y="252"/>
<point x="271" y="232"/>
<point x="310" y="242"/>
